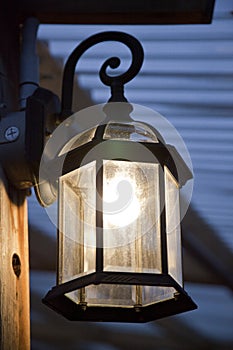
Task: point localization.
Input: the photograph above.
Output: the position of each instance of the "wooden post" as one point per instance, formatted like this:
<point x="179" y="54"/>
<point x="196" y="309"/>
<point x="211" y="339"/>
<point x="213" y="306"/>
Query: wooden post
<point x="14" y="266"/>
<point x="14" y="269"/>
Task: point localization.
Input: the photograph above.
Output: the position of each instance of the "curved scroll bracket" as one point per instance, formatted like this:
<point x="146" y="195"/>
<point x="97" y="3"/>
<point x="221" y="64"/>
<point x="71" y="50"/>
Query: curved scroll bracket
<point x="115" y="82"/>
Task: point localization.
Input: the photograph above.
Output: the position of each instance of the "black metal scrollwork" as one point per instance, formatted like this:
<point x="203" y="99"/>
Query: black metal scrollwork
<point x="115" y="82"/>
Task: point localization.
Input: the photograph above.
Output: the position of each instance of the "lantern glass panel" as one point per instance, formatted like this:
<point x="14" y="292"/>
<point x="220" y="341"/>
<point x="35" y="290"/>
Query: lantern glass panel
<point x="77" y="221"/>
<point x="123" y="295"/>
<point x="172" y="204"/>
<point x="133" y="131"/>
<point x="131" y="212"/>
<point x="77" y="141"/>
<point x="131" y="230"/>
<point x="131" y="233"/>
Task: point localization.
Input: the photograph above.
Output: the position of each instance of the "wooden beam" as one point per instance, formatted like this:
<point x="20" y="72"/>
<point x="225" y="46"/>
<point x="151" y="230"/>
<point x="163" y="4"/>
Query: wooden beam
<point x="14" y="266"/>
<point x="119" y="12"/>
<point x="14" y="271"/>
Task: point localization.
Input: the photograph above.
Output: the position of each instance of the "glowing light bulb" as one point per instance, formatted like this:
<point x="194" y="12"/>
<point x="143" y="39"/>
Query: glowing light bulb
<point x="120" y="201"/>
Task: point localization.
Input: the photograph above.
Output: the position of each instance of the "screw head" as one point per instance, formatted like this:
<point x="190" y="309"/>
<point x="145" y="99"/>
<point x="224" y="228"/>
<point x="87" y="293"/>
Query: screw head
<point x="11" y="133"/>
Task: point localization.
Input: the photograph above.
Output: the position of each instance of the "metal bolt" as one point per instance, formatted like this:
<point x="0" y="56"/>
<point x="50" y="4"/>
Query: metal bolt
<point x="83" y="306"/>
<point x="176" y="295"/>
<point x="11" y="133"/>
<point x="138" y="307"/>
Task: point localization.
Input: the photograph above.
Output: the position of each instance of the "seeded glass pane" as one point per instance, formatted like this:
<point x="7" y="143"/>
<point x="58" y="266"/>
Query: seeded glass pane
<point x="131" y="232"/>
<point x="131" y="217"/>
<point x="173" y="226"/>
<point x="79" y="140"/>
<point x="77" y="223"/>
<point x="123" y="295"/>
<point x="110" y="295"/>
<point x="133" y="131"/>
<point x="151" y="295"/>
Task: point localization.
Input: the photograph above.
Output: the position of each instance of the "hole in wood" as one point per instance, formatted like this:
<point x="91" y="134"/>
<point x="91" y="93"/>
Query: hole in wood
<point x="16" y="264"/>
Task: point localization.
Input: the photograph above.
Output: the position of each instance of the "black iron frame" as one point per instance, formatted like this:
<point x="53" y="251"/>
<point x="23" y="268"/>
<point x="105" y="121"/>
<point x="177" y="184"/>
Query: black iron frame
<point x="57" y="298"/>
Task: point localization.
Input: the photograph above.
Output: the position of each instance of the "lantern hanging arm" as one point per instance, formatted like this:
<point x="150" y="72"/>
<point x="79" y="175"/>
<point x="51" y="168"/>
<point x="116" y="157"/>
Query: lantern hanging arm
<point x="115" y="82"/>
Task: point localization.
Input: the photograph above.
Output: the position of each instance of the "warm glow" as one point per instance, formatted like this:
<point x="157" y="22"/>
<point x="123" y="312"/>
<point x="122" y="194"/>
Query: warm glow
<point x="131" y="230"/>
<point x="120" y="200"/>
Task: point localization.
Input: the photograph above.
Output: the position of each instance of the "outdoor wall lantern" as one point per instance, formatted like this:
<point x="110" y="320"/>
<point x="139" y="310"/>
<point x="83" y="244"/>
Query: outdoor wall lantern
<point x="102" y="274"/>
<point x="119" y="249"/>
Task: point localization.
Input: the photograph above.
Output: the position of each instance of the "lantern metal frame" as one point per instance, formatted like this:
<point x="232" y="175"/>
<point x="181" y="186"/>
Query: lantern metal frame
<point x="57" y="298"/>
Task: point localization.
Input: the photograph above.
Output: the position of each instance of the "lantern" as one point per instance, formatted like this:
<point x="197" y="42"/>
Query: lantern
<point x="119" y="236"/>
